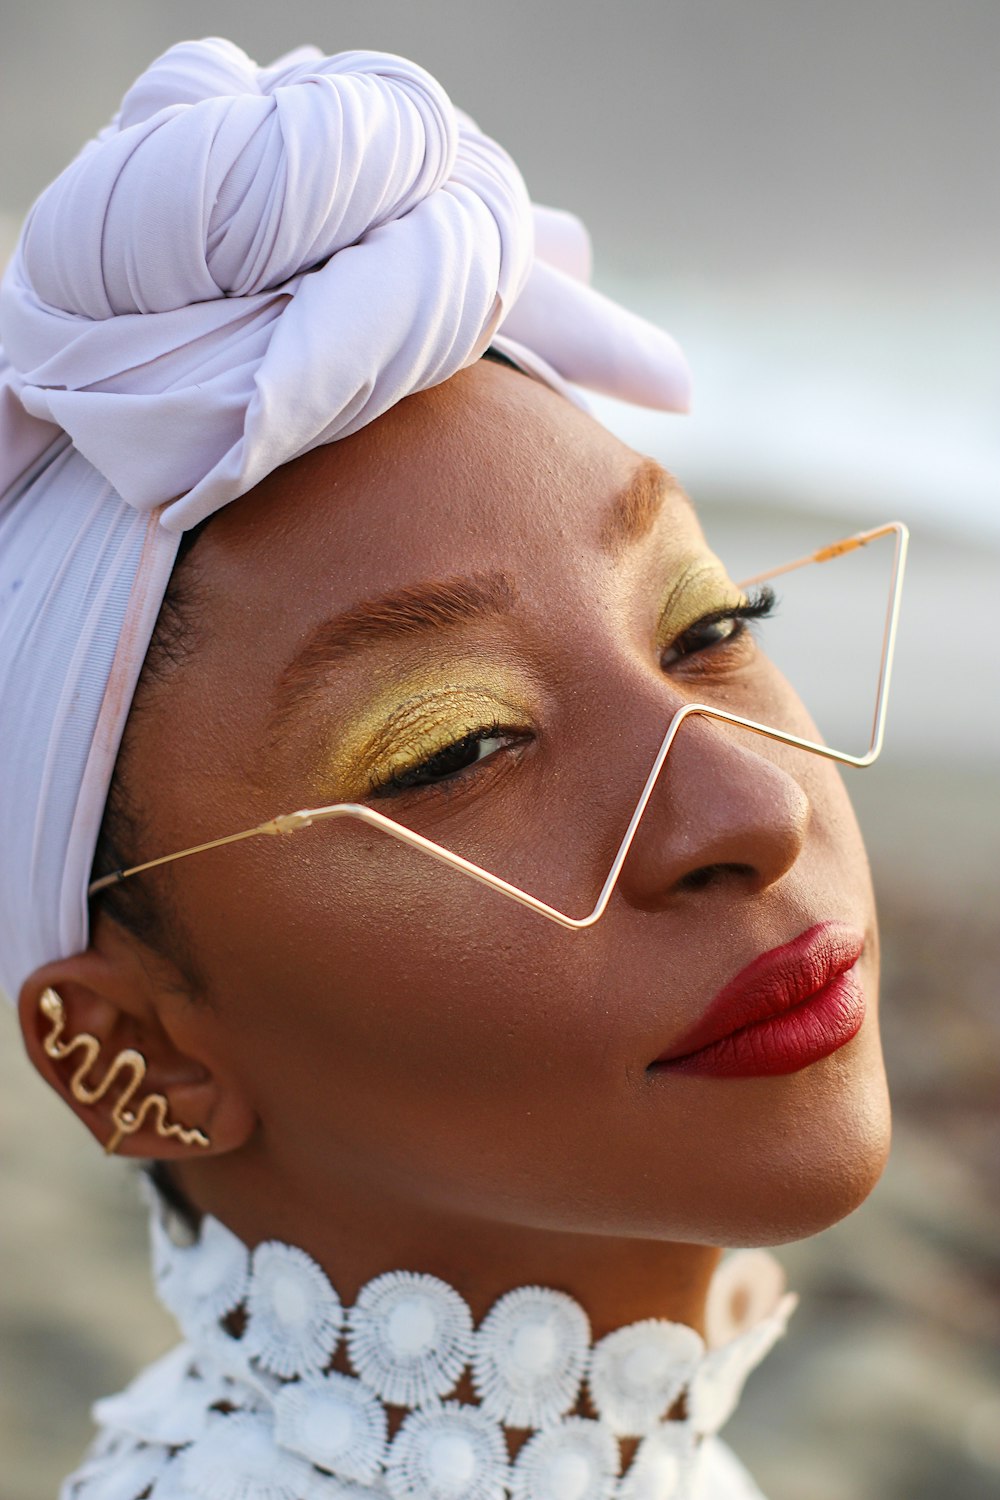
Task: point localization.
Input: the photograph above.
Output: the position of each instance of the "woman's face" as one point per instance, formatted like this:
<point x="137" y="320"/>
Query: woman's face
<point x="449" y="616"/>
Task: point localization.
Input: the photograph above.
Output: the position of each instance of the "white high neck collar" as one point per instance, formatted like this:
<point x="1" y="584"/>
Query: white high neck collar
<point x="250" y="1408"/>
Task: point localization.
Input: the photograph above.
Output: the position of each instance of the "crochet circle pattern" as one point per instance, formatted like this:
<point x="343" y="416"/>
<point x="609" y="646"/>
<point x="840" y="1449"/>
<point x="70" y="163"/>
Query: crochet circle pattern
<point x="251" y="1408"/>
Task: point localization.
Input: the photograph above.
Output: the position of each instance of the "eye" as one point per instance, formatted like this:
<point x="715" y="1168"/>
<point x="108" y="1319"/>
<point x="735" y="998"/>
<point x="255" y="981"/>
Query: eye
<point x="723" y="625"/>
<point x="450" y="762"/>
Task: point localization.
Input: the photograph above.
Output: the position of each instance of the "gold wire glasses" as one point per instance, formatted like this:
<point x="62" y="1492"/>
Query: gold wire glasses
<point x="287" y="823"/>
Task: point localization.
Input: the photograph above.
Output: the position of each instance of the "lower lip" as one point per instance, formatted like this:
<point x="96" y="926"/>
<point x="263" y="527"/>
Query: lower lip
<point x="783" y="1044"/>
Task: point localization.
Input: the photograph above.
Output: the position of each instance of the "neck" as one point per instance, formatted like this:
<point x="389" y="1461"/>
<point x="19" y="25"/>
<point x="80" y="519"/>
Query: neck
<point x="355" y="1236"/>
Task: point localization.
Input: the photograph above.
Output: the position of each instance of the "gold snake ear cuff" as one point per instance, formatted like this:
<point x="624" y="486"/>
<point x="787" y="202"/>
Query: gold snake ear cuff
<point x="129" y="1065"/>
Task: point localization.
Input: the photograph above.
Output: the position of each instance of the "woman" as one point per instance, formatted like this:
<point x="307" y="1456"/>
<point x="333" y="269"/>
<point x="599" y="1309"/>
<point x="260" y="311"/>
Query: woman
<point x="440" y="1189"/>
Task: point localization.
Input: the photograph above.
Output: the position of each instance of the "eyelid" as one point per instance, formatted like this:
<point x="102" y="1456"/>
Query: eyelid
<point x="702" y="591"/>
<point x="405" y="734"/>
<point x="450" y="783"/>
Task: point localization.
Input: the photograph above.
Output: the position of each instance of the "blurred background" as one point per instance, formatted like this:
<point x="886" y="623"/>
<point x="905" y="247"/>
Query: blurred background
<point x="805" y="194"/>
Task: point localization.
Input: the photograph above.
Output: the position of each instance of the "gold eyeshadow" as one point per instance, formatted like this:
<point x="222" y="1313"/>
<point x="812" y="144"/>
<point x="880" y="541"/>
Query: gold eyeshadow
<point x="703" y="588"/>
<point x="399" y="729"/>
<point x="407" y="721"/>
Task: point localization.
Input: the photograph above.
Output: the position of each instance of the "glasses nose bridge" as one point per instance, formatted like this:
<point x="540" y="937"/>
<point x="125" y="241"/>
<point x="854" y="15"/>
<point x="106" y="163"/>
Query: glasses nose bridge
<point x="689" y="713"/>
<point x="684" y="712"/>
<point x="645" y="713"/>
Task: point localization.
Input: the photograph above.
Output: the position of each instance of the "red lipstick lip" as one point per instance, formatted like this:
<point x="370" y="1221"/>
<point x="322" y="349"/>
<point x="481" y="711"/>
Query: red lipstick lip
<point x="773" y="983"/>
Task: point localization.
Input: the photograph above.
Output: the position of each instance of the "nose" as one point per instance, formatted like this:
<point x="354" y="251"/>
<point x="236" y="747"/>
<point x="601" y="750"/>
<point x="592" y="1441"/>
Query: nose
<point x="723" y="812"/>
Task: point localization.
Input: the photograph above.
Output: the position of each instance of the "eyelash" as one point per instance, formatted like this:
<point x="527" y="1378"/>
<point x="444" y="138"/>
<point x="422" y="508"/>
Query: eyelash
<point x="759" y="605"/>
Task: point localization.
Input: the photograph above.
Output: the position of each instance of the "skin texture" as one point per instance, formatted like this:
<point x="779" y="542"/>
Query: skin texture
<point x="397" y="1067"/>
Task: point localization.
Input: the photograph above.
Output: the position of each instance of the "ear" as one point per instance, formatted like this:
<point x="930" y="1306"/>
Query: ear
<point x="118" y="1034"/>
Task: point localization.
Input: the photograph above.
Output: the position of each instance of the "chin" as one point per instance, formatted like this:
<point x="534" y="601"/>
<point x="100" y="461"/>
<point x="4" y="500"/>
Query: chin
<point x="812" y="1183"/>
<point x="811" y="1213"/>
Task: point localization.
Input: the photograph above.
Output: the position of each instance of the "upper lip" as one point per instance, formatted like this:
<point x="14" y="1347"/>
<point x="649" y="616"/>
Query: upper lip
<point x="773" y="983"/>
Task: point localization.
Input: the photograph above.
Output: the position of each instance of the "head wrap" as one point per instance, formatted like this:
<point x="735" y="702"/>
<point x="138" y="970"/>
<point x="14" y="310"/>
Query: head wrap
<point x="245" y="264"/>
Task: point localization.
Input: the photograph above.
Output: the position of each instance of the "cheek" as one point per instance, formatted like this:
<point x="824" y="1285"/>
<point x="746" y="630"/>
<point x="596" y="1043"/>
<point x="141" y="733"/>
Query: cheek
<point x="404" y="1029"/>
<point x="406" y="1016"/>
<point x="485" y="1068"/>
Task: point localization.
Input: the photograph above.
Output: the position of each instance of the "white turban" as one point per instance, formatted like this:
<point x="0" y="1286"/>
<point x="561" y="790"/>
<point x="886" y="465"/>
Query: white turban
<point x="247" y="263"/>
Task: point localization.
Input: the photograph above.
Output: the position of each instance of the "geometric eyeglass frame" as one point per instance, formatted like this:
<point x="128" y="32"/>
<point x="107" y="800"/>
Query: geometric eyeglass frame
<point x="288" y="823"/>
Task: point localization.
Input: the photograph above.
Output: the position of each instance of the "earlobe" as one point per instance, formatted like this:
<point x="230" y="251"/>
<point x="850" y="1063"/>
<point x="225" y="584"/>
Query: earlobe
<point x="117" y="1069"/>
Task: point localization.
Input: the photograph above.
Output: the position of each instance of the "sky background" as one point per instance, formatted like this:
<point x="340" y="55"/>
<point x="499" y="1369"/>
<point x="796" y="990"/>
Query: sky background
<point x="806" y="195"/>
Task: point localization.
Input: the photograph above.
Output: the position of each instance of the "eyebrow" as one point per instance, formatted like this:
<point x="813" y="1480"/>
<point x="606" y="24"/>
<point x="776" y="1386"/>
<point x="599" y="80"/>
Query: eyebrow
<point x="407" y="611"/>
<point x="634" y="511"/>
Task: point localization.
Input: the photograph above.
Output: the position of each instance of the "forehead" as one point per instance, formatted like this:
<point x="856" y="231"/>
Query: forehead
<point x="489" y="473"/>
<point x="490" y="469"/>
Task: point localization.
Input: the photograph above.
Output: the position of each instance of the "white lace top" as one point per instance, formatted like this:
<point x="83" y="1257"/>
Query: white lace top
<point x="249" y="1406"/>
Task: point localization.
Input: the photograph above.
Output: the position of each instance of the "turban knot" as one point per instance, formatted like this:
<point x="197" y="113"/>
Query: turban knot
<point x="250" y="262"/>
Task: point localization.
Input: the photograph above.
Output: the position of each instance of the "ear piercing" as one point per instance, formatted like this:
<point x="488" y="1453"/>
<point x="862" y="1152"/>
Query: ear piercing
<point x="128" y="1065"/>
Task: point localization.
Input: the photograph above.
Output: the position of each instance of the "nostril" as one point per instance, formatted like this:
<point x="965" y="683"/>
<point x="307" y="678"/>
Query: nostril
<point x="705" y="875"/>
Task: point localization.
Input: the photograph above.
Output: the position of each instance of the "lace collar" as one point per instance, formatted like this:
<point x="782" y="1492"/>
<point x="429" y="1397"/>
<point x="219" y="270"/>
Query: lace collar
<point x="249" y="1407"/>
